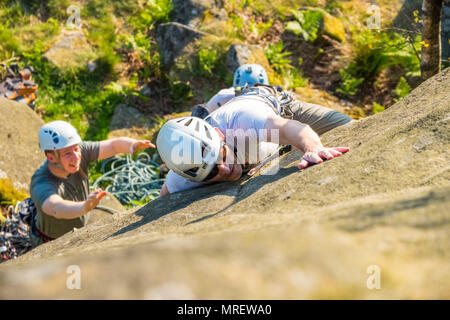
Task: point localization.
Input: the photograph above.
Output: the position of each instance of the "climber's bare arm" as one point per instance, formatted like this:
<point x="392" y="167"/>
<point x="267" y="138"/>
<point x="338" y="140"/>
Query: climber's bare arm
<point x="65" y="209"/>
<point x="302" y="137"/>
<point x="164" y="191"/>
<point x="109" y="148"/>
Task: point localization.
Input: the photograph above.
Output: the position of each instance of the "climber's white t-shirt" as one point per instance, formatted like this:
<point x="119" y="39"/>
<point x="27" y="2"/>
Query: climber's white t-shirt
<point x="241" y="118"/>
<point x="222" y="97"/>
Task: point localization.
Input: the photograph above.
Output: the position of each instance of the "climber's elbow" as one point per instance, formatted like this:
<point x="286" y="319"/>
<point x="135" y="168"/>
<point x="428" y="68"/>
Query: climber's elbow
<point x="164" y="191"/>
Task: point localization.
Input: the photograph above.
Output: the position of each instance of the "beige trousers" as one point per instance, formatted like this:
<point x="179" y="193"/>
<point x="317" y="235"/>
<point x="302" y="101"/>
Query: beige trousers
<point x="320" y="119"/>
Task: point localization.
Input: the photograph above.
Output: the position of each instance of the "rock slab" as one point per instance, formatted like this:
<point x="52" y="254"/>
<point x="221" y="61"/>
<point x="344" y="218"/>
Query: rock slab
<point x="19" y="145"/>
<point x="380" y="210"/>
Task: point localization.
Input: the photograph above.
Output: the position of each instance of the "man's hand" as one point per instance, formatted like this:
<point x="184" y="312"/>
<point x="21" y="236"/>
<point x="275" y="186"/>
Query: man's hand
<point x="319" y="155"/>
<point x="94" y="199"/>
<point x="141" y="145"/>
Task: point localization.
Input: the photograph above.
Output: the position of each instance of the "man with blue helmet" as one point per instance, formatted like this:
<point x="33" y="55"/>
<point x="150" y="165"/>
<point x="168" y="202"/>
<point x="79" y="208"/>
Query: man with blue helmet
<point x="253" y="78"/>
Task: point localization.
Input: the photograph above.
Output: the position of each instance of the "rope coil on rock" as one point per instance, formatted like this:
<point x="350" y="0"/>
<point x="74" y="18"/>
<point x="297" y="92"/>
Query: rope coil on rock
<point x="131" y="180"/>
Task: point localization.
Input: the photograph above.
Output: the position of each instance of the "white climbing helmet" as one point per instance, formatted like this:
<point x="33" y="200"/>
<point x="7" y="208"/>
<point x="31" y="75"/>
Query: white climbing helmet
<point x="250" y="74"/>
<point x="190" y="147"/>
<point x="57" y="135"/>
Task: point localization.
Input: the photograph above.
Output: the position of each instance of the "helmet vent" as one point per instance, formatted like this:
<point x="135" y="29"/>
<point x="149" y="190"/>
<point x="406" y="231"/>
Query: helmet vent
<point x="192" y="172"/>
<point x="197" y="126"/>
<point x="188" y="123"/>
<point x="208" y="134"/>
<point x="54" y="135"/>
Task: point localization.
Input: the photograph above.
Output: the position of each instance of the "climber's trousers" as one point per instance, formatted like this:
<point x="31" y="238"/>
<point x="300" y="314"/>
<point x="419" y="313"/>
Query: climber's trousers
<point x="319" y="118"/>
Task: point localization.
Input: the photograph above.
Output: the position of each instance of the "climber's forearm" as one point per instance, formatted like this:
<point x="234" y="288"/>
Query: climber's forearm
<point x="292" y="132"/>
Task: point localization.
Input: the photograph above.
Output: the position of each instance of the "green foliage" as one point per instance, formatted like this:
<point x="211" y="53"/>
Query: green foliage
<point x="276" y="57"/>
<point x="402" y="88"/>
<point x="332" y="5"/>
<point x="9" y="194"/>
<point x="349" y="83"/>
<point x="294" y="79"/>
<point x="154" y="12"/>
<point x="13" y="15"/>
<point x="377" y="108"/>
<point x="259" y="29"/>
<point x="207" y="60"/>
<point x="278" y="60"/>
<point x="238" y="25"/>
<point x="306" y="24"/>
<point x="376" y="51"/>
<point x="179" y="91"/>
<point x="75" y="95"/>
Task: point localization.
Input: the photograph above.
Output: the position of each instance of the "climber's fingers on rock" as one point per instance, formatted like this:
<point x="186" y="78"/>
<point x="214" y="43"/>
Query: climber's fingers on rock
<point x="308" y="159"/>
<point x="341" y="149"/>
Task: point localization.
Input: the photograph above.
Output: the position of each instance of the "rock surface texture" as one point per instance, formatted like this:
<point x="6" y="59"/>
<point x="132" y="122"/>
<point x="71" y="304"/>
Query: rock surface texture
<point x="172" y="38"/>
<point x="317" y="233"/>
<point x="19" y="142"/>
<point x="70" y="50"/>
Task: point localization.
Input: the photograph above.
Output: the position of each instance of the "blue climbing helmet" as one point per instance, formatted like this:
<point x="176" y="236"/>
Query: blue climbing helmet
<point x="249" y="74"/>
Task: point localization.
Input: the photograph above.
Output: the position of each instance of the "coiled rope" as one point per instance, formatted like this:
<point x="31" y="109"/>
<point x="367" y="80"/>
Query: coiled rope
<point x="131" y="181"/>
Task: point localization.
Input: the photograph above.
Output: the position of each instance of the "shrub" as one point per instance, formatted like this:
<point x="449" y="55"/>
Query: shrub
<point x="377" y="108"/>
<point x="207" y="60"/>
<point x="9" y="194"/>
<point x="402" y="88"/>
<point x="276" y="57"/>
<point x="306" y="24"/>
<point x="349" y="83"/>
<point x="376" y="51"/>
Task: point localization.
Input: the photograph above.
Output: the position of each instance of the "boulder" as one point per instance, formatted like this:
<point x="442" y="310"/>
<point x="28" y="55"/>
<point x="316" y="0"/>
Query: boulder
<point x="379" y="211"/>
<point x="172" y="38"/>
<point x="70" y="50"/>
<point x="192" y="12"/>
<point x="240" y="54"/>
<point x="129" y="122"/>
<point x="19" y="146"/>
<point x="104" y="216"/>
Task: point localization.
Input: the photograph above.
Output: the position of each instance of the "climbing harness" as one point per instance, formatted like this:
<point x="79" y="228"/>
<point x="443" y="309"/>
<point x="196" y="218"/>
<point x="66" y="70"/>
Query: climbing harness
<point x="14" y="234"/>
<point x="279" y="100"/>
<point x="131" y="181"/>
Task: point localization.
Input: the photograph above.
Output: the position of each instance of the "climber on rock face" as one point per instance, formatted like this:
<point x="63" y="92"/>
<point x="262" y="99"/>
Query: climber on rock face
<point x="238" y="135"/>
<point x="247" y="75"/>
<point x="60" y="187"/>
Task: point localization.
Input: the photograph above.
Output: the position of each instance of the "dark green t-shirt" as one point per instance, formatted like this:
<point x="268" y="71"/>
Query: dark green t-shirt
<point x="74" y="188"/>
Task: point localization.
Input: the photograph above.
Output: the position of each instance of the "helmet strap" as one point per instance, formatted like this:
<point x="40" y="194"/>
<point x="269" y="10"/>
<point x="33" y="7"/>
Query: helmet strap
<point x="58" y="160"/>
